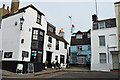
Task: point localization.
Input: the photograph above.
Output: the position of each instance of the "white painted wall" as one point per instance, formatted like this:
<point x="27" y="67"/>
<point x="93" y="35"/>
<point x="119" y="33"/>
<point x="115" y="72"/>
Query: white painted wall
<point x="0" y="42"/>
<point x="12" y="35"/>
<point x="96" y="49"/>
<point x="30" y="22"/>
<point x="61" y="51"/>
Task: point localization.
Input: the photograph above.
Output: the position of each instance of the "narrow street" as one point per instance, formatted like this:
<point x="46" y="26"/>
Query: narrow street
<point x="71" y="74"/>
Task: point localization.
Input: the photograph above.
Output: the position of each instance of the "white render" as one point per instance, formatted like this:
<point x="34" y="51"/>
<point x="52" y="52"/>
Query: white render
<point x="0" y="42"/>
<point x="12" y="34"/>
<point x="96" y="49"/>
<point x="61" y="51"/>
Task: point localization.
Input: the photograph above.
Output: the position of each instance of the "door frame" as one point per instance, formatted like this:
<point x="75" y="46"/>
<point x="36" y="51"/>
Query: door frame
<point x="115" y="53"/>
<point x="49" y="64"/>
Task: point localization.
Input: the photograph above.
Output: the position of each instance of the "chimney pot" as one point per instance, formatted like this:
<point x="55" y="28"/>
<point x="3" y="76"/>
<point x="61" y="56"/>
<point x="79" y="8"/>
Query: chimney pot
<point x="60" y="31"/>
<point x="3" y="5"/>
<point x="8" y="8"/>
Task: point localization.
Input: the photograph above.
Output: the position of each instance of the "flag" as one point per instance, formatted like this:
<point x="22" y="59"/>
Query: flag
<point x="72" y="29"/>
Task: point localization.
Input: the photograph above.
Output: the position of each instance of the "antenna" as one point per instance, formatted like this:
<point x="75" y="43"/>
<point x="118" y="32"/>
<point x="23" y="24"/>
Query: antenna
<point x="96" y="7"/>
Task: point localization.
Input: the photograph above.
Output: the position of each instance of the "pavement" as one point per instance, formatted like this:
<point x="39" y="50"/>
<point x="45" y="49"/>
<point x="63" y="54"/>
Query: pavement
<point x="49" y="72"/>
<point x="8" y="74"/>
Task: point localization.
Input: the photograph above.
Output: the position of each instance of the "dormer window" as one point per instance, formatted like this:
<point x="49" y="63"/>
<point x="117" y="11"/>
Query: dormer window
<point x="50" y="29"/>
<point x="88" y="35"/>
<point x="38" y="18"/>
<point x="79" y="36"/>
<point x="101" y="25"/>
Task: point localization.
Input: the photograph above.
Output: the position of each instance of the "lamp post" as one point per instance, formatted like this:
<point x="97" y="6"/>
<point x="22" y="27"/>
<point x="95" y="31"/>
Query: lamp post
<point x="21" y="22"/>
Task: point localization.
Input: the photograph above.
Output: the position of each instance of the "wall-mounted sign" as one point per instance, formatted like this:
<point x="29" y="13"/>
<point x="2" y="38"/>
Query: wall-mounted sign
<point x="8" y="54"/>
<point x="49" y="45"/>
<point x="30" y="67"/>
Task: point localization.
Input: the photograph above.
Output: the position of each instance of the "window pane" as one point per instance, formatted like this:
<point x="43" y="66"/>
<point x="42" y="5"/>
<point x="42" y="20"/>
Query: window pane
<point x="102" y="40"/>
<point x="101" y="25"/>
<point x="88" y="35"/>
<point x="35" y="32"/>
<point x="50" y="29"/>
<point x="79" y="36"/>
<point x="50" y="39"/>
<point x="35" y="37"/>
<point x="41" y="33"/>
<point x="39" y="18"/>
<point x="95" y="26"/>
<point x="39" y="57"/>
<point x="102" y="57"/>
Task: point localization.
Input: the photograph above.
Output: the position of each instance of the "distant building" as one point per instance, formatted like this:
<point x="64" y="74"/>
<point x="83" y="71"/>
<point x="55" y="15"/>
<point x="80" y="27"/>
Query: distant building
<point x="3" y="12"/>
<point x="80" y="48"/>
<point x="104" y="41"/>
<point x="117" y="12"/>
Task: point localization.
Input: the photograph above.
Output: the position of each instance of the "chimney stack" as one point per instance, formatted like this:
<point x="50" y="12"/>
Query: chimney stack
<point x="94" y="18"/>
<point x="14" y="6"/>
<point x="3" y="6"/>
<point x="61" y="33"/>
<point x="8" y="8"/>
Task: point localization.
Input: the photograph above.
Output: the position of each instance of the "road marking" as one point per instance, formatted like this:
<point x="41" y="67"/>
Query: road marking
<point x="34" y="76"/>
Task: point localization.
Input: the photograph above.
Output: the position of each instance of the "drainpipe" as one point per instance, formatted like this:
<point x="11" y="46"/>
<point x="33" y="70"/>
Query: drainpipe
<point x="108" y="52"/>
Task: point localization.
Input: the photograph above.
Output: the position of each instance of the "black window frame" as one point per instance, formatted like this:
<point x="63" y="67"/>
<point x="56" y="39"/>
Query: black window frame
<point x="65" y="45"/>
<point x="50" y="39"/>
<point x="57" y="44"/>
<point x="39" y="18"/>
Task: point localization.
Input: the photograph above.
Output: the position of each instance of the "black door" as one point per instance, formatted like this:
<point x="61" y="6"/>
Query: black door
<point x="49" y="56"/>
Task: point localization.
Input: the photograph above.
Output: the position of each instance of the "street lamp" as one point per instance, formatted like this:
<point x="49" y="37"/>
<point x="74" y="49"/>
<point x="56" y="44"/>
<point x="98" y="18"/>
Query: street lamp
<point x="21" y="22"/>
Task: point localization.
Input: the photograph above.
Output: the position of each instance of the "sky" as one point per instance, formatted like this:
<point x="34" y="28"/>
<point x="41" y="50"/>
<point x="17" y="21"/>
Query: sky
<point x="57" y="12"/>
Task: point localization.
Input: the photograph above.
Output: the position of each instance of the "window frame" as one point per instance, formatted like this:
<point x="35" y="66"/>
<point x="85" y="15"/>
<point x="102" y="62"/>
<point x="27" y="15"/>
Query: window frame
<point x="50" y="39"/>
<point x="35" y="34"/>
<point x="79" y="48"/>
<point x="102" y="60"/>
<point x="102" y="44"/>
<point x="39" y="18"/>
<point x="79" y="36"/>
<point x="99" y="25"/>
<point x="65" y="45"/>
<point x="57" y="44"/>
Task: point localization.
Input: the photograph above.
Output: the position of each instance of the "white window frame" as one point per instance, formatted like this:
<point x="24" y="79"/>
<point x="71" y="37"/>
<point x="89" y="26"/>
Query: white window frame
<point x="102" y="44"/>
<point x="101" y="25"/>
<point x="104" y="59"/>
<point x="79" y="36"/>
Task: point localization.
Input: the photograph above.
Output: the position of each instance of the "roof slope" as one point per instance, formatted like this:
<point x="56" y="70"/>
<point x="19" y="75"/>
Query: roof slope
<point x="83" y="41"/>
<point x="23" y="10"/>
<point x="56" y="36"/>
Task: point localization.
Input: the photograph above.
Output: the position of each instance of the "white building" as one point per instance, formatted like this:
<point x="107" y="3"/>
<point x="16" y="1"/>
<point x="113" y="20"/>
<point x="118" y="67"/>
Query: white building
<point x="0" y="40"/>
<point x="104" y="41"/>
<point x="20" y="40"/>
<point x="26" y="39"/>
<point x="55" y="45"/>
